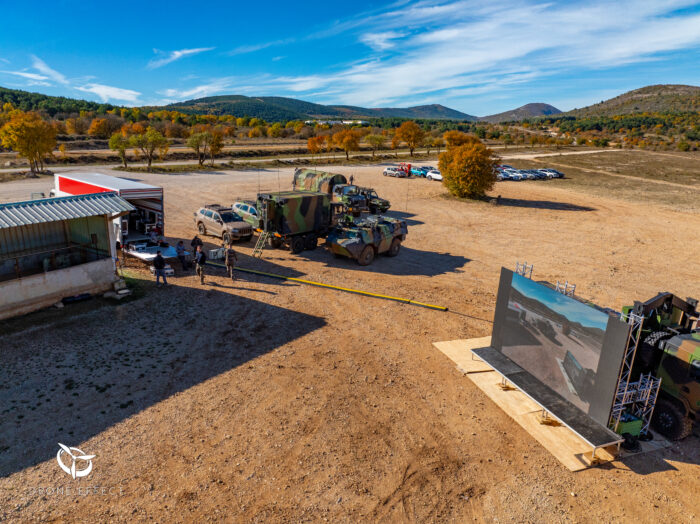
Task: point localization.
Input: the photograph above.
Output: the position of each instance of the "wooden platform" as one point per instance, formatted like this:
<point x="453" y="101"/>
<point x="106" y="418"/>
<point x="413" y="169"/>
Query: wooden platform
<point x="572" y="451"/>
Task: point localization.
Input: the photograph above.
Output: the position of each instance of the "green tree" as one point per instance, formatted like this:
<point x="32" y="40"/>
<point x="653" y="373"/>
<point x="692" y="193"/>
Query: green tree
<point x="468" y="170"/>
<point x="216" y="144"/>
<point x="30" y="137"/>
<point x="148" y="143"/>
<point x="376" y="142"/>
<point x="200" y="143"/>
<point x="119" y="143"/>
<point x="411" y="133"/>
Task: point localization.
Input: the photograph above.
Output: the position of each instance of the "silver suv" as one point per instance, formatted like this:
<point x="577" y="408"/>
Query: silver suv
<point x="222" y="222"/>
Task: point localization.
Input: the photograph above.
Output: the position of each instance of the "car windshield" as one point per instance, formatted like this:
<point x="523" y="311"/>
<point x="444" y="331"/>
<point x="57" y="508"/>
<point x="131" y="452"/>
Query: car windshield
<point x="372" y="194"/>
<point x="230" y="217"/>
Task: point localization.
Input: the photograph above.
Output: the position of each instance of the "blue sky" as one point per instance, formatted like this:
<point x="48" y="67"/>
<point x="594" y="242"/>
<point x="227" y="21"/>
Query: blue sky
<point x="468" y="55"/>
<point x="572" y="309"/>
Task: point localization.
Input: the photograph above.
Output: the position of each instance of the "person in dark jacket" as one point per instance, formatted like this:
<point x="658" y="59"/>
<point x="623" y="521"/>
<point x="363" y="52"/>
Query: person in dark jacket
<point x="231" y="259"/>
<point x="180" y="250"/>
<point x="200" y="258"/>
<point x="196" y="241"/>
<point x="159" y="265"/>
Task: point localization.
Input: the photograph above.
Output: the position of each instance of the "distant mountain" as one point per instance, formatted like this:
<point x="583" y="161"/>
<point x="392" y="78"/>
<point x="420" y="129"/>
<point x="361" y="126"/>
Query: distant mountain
<point x="656" y="98"/>
<point x="526" y="111"/>
<point x="281" y="108"/>
<point x="27" y="101"/>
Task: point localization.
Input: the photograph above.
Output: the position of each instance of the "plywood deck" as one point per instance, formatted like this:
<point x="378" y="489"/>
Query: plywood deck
<point x="572" y="451"/>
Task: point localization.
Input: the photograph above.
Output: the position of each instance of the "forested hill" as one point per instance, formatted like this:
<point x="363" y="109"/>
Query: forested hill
<point x="27" y="101"/>
<point x="664" y="98"/>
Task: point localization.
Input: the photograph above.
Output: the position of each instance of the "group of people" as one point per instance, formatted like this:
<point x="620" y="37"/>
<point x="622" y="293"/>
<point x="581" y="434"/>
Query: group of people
<point x="200" y="260"/>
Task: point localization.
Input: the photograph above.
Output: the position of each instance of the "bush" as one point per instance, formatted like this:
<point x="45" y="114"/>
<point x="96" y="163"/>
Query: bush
<point x="468" y="170"/>
<point x="683" y="146"/>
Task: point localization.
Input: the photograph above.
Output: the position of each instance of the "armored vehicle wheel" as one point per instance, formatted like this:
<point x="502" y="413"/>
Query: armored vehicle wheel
<point x="394" y="248"/>
<point x="202" y="229"/>
<point x="670" y="421"/>
<point x="297" y="245"/>
<point x="226" y="237"/>
<point x="276" y="242"/>
<point x="310" y="242"/>
<point x="366" y="257"/>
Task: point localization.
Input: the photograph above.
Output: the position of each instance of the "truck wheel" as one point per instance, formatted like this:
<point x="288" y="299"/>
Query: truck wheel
<point x="275" y="242"/>
<point x="670" y="421"/>
<point x="202" y="230"/>
<point x="226" y="237"/>
<point x="366" y="257"/>
<point x="373" y="210"/>
<point x="394" y="248"/>
<point x="310" y="242"/>
<point x="248" y="238"/>
<point x="297" y="245"/>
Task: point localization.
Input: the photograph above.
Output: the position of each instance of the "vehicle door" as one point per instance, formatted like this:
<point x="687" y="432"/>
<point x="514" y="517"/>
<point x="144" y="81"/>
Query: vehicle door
<point x="217" y="224"/>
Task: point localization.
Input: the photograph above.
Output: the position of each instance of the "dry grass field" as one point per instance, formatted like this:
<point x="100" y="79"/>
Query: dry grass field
<point x="269" y="401"/>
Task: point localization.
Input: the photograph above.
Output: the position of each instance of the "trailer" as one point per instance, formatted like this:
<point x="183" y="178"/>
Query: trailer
<point x="147" y="199"/>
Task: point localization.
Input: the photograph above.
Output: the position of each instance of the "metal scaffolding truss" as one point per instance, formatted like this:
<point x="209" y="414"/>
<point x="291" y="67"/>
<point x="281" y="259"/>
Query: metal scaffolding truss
<point x="524" y="270"/>
<point x="624" y="395"/>
<point x="565" y="288"/>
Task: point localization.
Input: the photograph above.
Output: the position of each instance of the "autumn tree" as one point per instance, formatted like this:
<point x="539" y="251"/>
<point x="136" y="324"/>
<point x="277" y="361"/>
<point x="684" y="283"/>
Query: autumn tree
<point x="30" y="137"/>
<point x="99" y="127"/>
<point x="468" y="170"/>
<point x="314" y="144"/>
<point x="347" y="140"/>
<point x="216" y="144"/>
<point x="376" y="142"/>
<point x="148" y="143"/>
<point x="438" y="143"/>
<point x="457" y="138"/>
<point x="410" y="133"/>
<point x="119" y="143"/>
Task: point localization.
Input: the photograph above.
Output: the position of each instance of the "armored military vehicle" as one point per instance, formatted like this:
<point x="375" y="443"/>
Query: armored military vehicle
<point x="374" y="203"/>
<point x="670" y="349"/>
<point x="363" y="239"/>
<point x="295" y="218"/>
<point x="348" y="199"/>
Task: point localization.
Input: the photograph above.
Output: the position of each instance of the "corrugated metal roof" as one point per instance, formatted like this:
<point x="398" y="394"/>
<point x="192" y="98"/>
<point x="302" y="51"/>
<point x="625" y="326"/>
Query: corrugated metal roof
<point x="16" y="214"/>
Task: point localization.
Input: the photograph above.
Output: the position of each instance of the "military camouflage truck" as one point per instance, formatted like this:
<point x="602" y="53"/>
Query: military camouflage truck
<point x="374" y="203"/>
<point x="670" y="349"/>
<point x="345" y="197"/>
<point x="363" y="239"/>
<point x="316" y="181"/>
<point x="295" y="218"/>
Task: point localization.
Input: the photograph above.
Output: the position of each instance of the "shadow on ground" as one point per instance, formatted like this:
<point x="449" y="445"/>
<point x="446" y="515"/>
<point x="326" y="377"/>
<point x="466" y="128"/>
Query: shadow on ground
<point x="542" y="204"/>
<point x="68" y="381"/>
<point x="403" y="216"/>
<point x="408" y="262"/>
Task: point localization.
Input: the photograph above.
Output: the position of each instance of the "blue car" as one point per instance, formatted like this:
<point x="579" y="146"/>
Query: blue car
<point x="417" y="171"/>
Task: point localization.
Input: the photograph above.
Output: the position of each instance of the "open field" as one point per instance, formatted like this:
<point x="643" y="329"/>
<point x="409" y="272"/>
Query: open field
<point x="261" y="400"/>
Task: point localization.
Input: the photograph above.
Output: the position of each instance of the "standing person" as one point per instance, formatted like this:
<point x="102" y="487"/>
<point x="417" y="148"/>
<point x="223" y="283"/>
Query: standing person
<point x="231" y="259"/>
<point x="352" y="179"/>
<point x="200" y="259"/>
<point x="196" y="241"/>
<point x="159" y="265"/>
<point x="180" y="249"/>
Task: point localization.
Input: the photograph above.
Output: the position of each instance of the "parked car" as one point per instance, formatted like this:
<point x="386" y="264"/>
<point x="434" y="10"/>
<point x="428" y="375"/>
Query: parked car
<point x="514" y="174"/>
<point x="552" y="173"/>
<point x="434" y="175"/>
<point x="247" y="211"/>
<point x="425" y="170"/>
<point x="417" y="171"/>
<point x="222" y="222"/>
<point x="391" y="171"/>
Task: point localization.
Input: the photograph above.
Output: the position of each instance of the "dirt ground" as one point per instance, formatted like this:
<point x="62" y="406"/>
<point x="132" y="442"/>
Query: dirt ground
<point x="263" y="400"/>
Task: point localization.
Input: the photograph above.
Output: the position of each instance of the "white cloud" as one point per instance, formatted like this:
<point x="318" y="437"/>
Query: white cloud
<point x="213" y="87"/>
<point x="464" y="47"/>
<point x="29" y="76"/>
<point x="252" y="48"/>
<point x="42" y="67"/>
<point x="109" y="93"/>
<point x="381" y="41"/>
<point x="172" y="56"/>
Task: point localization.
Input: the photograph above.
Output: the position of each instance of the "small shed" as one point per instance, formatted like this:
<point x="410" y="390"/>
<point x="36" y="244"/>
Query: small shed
<point x="56" y="247"/>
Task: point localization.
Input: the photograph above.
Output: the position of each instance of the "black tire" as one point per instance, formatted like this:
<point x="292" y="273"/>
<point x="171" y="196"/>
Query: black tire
<point x="248" y="238"/>
<point x="373" y="210"/>
<point x="202" y="230"/>
<point x="297" y="245"/>
<point x="394" y="248"/>
<point x="226" y="237"/>
<point x="366" y="257"/>
<point x="384" y="173"/>
<point x="310" y="242"/>
<point x="670" y="421"/>
<point x="275" y="242"/>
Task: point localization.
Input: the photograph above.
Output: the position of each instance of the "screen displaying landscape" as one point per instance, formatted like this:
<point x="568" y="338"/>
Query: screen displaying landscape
<point x="554" y="337"/>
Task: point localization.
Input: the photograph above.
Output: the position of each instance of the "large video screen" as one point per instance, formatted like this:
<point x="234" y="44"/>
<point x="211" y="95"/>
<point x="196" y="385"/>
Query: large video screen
<point x="573" y="348"/>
